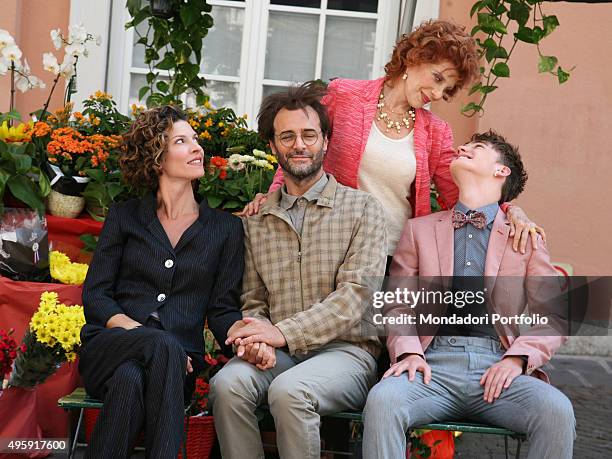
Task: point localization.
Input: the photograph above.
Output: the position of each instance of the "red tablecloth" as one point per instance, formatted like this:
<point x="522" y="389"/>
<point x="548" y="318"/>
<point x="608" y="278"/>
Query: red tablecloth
<point x="18" y="301"/>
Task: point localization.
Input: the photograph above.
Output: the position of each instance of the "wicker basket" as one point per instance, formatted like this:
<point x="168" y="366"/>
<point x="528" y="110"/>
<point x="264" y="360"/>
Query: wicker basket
<point x="200" y="437"/>
<point x="63" y="205"/>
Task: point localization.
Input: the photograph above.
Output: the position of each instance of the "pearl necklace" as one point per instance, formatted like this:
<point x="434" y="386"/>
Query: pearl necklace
<point x="385" y="118"/>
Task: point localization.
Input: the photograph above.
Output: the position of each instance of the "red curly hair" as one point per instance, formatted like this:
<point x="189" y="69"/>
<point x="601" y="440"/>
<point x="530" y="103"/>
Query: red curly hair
<point x="432" y="42"/>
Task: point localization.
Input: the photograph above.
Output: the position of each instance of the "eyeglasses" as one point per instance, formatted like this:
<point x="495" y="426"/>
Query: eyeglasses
<point x="309" y="137"/>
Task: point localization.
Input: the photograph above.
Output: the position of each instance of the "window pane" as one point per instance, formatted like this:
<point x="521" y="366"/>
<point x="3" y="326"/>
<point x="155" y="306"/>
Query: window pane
<point x="268" y="89"/>
<point x="348" y="49"/>
<point x="291" y="47"/>
<point x="222" y="94"/>
<point x="221" y="47"/>
<point x="306" y="3"/>
<point x="366" y="6"/>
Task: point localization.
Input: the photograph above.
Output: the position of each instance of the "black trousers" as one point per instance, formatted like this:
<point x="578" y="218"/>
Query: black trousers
<point x="140" y="376"/>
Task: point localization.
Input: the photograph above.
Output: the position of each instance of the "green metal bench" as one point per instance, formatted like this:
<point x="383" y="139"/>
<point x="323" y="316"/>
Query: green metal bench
<point x="79" y="400"/>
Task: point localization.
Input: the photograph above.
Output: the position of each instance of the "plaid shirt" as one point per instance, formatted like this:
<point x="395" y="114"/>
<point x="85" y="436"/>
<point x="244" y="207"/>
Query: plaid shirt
<point x="316" y="287"/>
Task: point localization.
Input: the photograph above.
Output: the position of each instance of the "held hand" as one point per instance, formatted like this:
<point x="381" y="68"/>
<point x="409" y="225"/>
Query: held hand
<point x="255" y="331"/>
<point x="499" y="376"/>
<point x="189" y="366"/>
<point x="259" y="354"/>
<point x="253" y="207"/>
<point x="521" y="227"/>
<point x="411" y="364"/>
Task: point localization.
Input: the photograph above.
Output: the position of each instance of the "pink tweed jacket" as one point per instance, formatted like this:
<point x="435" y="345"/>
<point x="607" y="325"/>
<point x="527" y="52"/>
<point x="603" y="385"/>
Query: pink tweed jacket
<point x="352" y="106"/>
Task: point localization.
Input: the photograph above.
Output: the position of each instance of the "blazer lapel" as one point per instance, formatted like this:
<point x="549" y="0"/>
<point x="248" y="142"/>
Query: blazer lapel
<point x="148" y="216"/>
<point x="445" y="243"/>
<point x="496" y="248"/>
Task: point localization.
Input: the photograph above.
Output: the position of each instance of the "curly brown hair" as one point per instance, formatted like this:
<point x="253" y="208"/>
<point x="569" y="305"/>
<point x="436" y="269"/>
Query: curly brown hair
<point x="145" y="143"/>
<point x="509" y="156"/>
<point x="432" y="42"/>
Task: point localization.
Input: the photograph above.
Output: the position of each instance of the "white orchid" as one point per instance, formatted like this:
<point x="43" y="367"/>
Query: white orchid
<point x="25" y="80"/>
<point x="78" y="34"/>
<point x="50" y="63"/>
<point x="6" y="39"/>
<point x="4" y="65"/>
<point x="57" y="38"/>
<point x="67" y="67"/>
<point x="75" y="49"/>
<point x="12" y="53"/>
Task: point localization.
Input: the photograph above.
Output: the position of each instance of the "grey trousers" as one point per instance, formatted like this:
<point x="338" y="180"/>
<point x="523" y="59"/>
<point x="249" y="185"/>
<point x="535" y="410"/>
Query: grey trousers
<point x="298" y="390"/>
<point x="529" y="405"/>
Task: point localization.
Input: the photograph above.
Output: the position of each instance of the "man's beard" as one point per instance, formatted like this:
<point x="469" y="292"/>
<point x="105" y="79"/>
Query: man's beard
<point x="301" y="172"/>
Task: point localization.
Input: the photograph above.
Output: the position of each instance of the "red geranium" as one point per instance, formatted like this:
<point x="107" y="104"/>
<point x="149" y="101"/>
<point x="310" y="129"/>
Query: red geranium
<point x="8" y="352"/>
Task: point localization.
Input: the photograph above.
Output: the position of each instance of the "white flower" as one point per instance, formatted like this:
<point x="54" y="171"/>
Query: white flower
<point x="36" y="82"/>
<point x="12" y="53"/>
<point x="234" y="162"/>
<point x="50" y="63"/>
<point x="261" y="163"/>
<point x="75" y="50"/>
<point x="246" y="159"/>
<point x="4" y="65"/>
<point x="67" y="67"/>
<point x="22" y="83"/>
<point x="56" y="38"/>
<point x="6" y="39"/>
<point x="260" y="154"/>
<point x="77" y="34"/>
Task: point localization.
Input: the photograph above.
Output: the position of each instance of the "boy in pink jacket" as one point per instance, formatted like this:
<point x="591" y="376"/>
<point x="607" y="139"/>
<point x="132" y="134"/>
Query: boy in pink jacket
<point x="482" y="369"/>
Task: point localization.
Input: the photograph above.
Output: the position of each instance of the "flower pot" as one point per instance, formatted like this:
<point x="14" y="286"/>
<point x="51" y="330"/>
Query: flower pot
<point x="200" y="437"/>
<point x="63" y="205"/>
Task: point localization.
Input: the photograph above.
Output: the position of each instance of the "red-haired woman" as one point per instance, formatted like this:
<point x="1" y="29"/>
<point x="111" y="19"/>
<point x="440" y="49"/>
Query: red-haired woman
<point x="383" y="141"/>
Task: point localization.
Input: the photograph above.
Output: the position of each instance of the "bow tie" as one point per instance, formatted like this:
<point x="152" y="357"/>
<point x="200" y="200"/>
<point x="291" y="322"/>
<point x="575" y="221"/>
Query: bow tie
<point x="478" y="219"/>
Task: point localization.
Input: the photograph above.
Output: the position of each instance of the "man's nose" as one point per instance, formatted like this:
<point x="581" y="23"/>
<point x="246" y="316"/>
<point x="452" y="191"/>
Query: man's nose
<point x="299" y="143"/>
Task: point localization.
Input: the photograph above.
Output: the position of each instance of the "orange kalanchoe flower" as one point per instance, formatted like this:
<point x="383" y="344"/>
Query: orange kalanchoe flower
<point x="218" y="161"/>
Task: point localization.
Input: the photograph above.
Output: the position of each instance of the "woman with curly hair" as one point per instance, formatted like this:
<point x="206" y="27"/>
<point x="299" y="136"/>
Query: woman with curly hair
<point x="385" y="142"/>
<point x="164" y="265"/>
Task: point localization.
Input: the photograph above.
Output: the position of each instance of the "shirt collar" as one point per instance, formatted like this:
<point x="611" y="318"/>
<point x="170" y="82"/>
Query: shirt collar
<point x="287" y="201"/>
<point x="490" y="210"/>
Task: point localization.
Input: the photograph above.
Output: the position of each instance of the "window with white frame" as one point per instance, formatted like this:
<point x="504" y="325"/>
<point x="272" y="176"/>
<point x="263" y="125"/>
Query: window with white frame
<point x="258" y="46"/>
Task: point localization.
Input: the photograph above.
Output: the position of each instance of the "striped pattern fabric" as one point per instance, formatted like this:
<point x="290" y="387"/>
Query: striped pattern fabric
<point x="315" y="288"/>
<point x="136" y="271"/>
<point x="352" y="106"/>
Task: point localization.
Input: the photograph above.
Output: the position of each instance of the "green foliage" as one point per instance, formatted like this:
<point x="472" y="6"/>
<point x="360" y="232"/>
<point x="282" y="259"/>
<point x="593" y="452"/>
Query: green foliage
<point x="495" y="18"/>
<point x="90" y="242"/>
<point x="104" y="189"/>
<point x="179" y="39"/>
<point x="101" y="106"/>
<point x="24" y="180"/>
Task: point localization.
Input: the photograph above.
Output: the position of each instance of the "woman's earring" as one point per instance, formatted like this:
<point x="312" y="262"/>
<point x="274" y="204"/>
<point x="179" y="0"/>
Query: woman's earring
<point x="405" y="76"/>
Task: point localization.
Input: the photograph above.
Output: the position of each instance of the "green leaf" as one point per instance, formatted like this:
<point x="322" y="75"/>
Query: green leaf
<point x="24" y="190"/>
<point x="477" y="7"/>
<point x="190" y="13"/>
<point x="208" y="22"/>
<point x="90" y="242"/>
<point x="538" y="34"/>
<point x="22" y="163"/>
<point x="214" y="201"/>
<point x="133" y="6"/>
<point x="114" y="190"/>
<point x="547" y="64"/>
<point x="475" y="30"/>
<point x="489" y="43"/>
<point x="525" y="34"/>
<point x="162" y="86"/>
<point x="496" y="53"/>
<point x="154" y="100"/>
<point x="519" y="12"/>
<point x="488" y="89"/>
<point x="491" y="24"/>
<point x="475" y="88"/>
<point x="150" y="77"/>
<point x="471" y="107"/>
<point x="139" y="17"/>
<point x="43" y="184"/>
<point x="562" y="75"/>
<point x="501" y="69"/>
<point x="167" y="63"/>
<point x="550" y="24"/>
<point x="142" y="91"/>
<point x="96" y="175"/>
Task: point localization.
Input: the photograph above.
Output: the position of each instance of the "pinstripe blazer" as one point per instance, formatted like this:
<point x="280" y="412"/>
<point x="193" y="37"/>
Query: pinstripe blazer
<point x="351" y="105"/>
<point x="135" y="271"/>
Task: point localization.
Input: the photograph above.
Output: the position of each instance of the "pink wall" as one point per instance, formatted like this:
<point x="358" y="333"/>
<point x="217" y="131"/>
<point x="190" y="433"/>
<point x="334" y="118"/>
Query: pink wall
<point x="30" y="23"/>
<point x="564" y="132"/>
